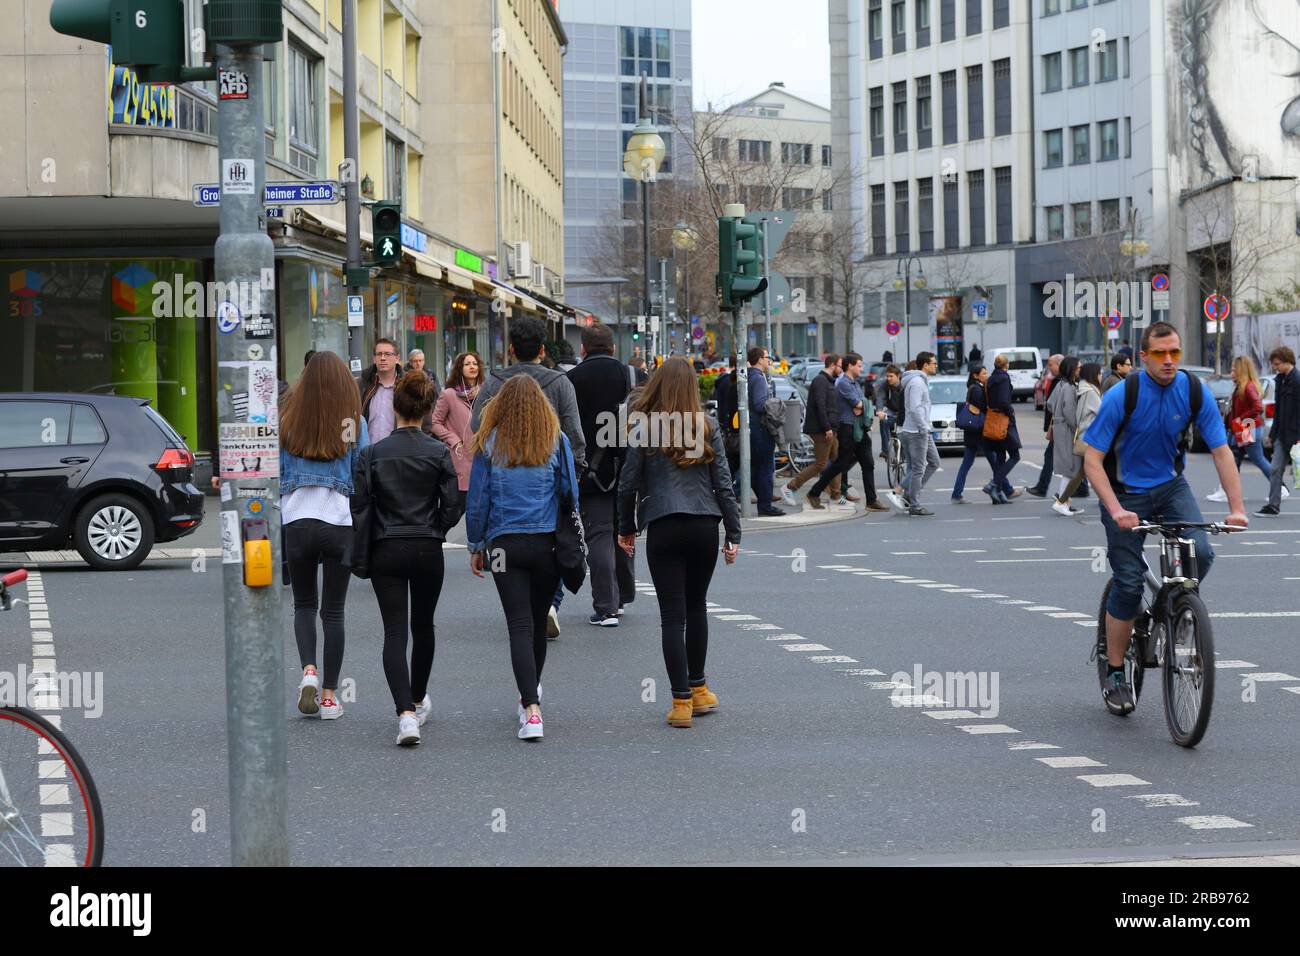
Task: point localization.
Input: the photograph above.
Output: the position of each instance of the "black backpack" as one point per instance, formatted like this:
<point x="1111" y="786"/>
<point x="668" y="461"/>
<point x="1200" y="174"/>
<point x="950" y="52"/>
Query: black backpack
<point x="1132" y="383"/>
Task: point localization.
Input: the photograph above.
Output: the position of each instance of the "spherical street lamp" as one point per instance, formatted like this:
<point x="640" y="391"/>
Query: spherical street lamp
<point x="645" y="151"/>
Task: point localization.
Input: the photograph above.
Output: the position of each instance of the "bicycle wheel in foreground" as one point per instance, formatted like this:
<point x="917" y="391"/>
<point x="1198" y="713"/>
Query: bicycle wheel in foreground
<point x="49" y="809"/>
<point x="1188" y="670"/>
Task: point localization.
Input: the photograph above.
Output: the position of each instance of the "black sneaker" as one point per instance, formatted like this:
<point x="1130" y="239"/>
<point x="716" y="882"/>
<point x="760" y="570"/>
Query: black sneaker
<point x="918" y="511"/>
<point x="603" y="620"/>
<point x="1268" y="511"/>
<point x="1037" y="493"/>
<point x="1118" y="695"/>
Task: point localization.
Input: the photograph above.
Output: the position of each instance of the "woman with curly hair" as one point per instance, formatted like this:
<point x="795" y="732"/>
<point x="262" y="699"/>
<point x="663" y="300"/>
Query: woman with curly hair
<point x="522" y="467"/>
<point x="677" y="466"/>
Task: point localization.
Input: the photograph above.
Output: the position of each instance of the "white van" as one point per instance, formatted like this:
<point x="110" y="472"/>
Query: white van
<point x="1024" y="365"/>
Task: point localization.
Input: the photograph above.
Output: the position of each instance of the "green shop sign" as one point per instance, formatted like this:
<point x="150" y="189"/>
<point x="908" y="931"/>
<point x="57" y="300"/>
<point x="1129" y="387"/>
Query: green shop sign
<point x="467" y="260"/>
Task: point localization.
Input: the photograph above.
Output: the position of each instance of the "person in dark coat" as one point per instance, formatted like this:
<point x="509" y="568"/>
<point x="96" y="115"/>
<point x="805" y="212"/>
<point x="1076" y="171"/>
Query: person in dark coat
<point x="724" y="393"/>
<point x="887" y="356"/>
<point x="819" y="424"/>
<point x="976" y="356"/>
<point x="1286" y="424"/>
<point x="1001" y="398"/>
<point x="973" y="438"/>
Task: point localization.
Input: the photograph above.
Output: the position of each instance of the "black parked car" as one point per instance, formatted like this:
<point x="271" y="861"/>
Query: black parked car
<point x="105" y="471"/>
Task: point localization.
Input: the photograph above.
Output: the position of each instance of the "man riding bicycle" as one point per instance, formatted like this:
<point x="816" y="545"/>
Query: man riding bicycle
<point x="1146" y="421"/>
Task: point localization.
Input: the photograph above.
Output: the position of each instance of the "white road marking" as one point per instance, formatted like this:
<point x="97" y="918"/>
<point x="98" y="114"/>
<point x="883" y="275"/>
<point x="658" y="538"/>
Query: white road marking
<point x="1070" y="615"/>
<point x="1062" y="763"/>
<point x="853" y="555"/>
<point x="861" y="672"/>
<point x="1213" y="822"/>
<point x="1028" y="549"/>
<point x="931" y="586"/>
<point x="1113" y="780"/>
<point x="970" y="551"/>
<point x="897" y="553"/>
<point x="1269" y="676"/>
<point x="952" y="714"/>
<point x="1024" y="560"/>
<point x="1026" y="518"/>
<point x="906" y="580"/>
<point x="987" y="729"/>
<point x="1015" y="601"/>
<point x="720" y="610"/>
<point x="1294" y="690"/>
<point x="962" y="590"/>
<point x="759" y="627"/>
<point x="987" y="595"/>
<point x="785" y="637"/>
<point x="889" y="685"/>
<point x="805" y="647"/>
<point x="1222" y="555"/>
<point x="1043" y="607"/>
<point x="55" y="795"/>
<point x="1030" y="745"/>
<point x="918" y="700"/>
<point x="1255" y="614"/>
<point x="1153" y="800"/>
<point x="737" y="617"/>
<point x="56" y="824"/>
<point x="833" y="659"/>
<point x="1227" y="664"/>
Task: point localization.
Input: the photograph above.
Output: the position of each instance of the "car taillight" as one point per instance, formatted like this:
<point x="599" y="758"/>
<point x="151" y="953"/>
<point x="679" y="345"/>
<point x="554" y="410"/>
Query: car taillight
<point x="175" y="458"/>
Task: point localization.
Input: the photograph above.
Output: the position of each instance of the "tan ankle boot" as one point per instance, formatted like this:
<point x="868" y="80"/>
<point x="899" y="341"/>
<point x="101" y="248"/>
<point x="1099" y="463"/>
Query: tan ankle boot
<point x="703" y="700"/>
<point x="680" y="715"/>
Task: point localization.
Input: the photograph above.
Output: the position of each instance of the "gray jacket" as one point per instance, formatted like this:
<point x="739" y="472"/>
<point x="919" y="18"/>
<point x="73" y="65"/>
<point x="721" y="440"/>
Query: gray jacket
<point x="1063" y="403"/>
<point x="558" y="390"/>
<point x="666" y="489"/>
<point x="916" y="401"/>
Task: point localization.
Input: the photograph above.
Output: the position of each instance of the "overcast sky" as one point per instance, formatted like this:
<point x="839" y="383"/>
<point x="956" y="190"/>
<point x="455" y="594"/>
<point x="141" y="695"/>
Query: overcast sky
<point x="740" y="46"/>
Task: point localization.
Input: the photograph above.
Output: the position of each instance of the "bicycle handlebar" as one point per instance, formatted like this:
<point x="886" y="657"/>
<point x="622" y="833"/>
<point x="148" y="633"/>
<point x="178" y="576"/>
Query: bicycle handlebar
<point x="1174" y="527"/>
<point x="13" y="577"/>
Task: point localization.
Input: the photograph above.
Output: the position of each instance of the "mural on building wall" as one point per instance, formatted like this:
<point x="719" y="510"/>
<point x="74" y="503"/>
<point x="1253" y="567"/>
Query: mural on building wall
<point x="1239" y="73"/>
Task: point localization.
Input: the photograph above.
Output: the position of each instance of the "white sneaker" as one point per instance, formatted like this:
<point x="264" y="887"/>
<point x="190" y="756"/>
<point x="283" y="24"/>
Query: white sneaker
<point x="523" y="714"/>
<point x="408" y="731"/>
<point x="552" y="623"/>
<point x="788" y="496"/>
<point x="308" y="693"/>
<point x="531" y="729"/>
<point x="1061" y="508"/>
<point x="896" y="500"/>
<point x="1285" y="494"/>
<point x="1218" y="494"/>
<point x="423" y="709"/>
<point x="330" y="709"/>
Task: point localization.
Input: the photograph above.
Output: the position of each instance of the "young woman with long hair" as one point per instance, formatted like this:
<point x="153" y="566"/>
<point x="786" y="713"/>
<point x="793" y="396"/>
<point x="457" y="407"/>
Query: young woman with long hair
<point x="452" y="413"/>
<point x="522" y="467"/>
<point x="408" y="484"/>
<point x="1063" y="404"/>
<point x="677" y="465"/>
<point x="321" y="435"/>
<point x="1247" y="405"/>
<point x="1087" y="405"/>
<point x="973" y="438"/>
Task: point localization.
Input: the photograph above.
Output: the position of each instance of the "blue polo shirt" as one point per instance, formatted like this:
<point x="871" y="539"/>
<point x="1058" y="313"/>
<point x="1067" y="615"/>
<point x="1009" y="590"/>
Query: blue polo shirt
<point x="1148" y="448"/>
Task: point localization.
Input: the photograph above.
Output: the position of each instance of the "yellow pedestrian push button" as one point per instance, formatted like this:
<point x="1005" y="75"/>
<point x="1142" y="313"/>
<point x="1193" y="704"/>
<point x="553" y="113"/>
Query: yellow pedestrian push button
<point x="257" y="553"/>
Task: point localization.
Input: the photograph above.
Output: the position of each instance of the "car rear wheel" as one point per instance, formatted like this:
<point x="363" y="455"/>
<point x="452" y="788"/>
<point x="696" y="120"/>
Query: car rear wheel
<point x="113" y="533"/>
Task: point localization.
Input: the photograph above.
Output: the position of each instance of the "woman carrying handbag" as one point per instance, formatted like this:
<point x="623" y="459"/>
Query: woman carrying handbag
<point x="684" y="491"/>
<point x="970" y="419"/>
<point x="1246" y="422"/>
<point x="1086" y="407"/>
<point x="1000" y="430"/>
<point x="1062" y="405"/>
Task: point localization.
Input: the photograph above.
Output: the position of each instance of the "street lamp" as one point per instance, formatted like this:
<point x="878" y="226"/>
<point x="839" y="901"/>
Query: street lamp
<point x="645" y="151"/>
<point x="903" y="281"/>
<point x="685" y="240"/>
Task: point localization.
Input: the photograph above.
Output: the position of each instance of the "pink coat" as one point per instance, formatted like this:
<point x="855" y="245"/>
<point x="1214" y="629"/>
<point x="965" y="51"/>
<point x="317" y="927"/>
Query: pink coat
<point x="451" y="426"/>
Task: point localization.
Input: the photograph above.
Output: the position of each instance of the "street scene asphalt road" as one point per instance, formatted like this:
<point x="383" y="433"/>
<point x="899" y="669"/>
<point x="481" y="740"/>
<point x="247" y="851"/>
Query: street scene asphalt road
<point x="827" y="746"/>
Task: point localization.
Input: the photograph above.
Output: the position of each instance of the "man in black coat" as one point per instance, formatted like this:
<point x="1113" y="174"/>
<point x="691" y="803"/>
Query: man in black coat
<point x="820" y="423"/>
<point x="602" y="383"/>
<point x="724" y="393"/>
<point x="1286" y="425"/>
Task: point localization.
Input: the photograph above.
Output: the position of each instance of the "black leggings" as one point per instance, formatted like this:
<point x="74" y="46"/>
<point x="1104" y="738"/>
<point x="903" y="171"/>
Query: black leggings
<point x="682" y="551"/>
<point x="399" y="566"/>
<point x="526" y="575"/>
<point x="309" y="543"/>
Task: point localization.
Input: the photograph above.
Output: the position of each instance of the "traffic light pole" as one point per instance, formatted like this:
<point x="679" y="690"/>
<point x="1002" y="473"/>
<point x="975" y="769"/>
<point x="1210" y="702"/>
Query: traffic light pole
<point x="249" y="468"/>
<point x="767" y="307"/>
<point x="741" y="338"/>
<point x="351" y="178"/>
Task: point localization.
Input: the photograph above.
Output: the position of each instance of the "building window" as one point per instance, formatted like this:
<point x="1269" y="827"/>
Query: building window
<point x="923" y="123"/>
<point x="1001" y="14"/>
<point x="1001" y="97"/>
<point x="1128" y="136"/>
<point x="1053" y="150"/>
<point x="647" y="49"/>
<point x="1079" y="66"/>
<point x="951" y="222"/>
<point x="721" y="148"/>
<point x="394" y="167"/>
<point x="794" y="197"/>
<point x="1126" y="56"/>
<point x="826" y="201"/>
<point x="922" y="23"/>
<point x="1081" y="214"/>
<point x="1107" y="140"/>
<point x="1080" y="151"/>
<point x="303" y="106"/>
<point x="878" y="121"/>
<point x="1055" y="223"/>
<point x="900" y="117"/>
<point x="898" y="24"/>
<point x="1109" y="214"/>
<point x="1002" y="198"/>
<point x="1078" y="4"/>
<point x="902" y="222"/>
<point x="878" y="220"/>
<point x="948" y="89"/>
<point x="796" y="154"/>
<point x="754" y="150"/>
<point x="1051" y="72"/>
<point x="925" y="212"/>
<point x="974" y="102"/>
<point x="974" y="15"/>
<point x="1051" y="7"/>
<point x="876" y="30"/>
<point x="975" y="192"/>
<point x="1108" y="62"/>
<point x="826" y="156"/>
<point x="947" y="20"/>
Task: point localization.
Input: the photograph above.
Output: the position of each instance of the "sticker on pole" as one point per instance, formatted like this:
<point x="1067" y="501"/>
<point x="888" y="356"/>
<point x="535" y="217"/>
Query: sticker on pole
<point x="1217" y="307"/>
<point x="260" y="326"/>
<point x="228" y="317"/>
<point x="238" y="177"/>
<point x="249" y="450"/>
<point x="234" y="85"/>
<point x="230" y="551"/>
<point x="356" y="311"/>
<point x="892" y="328"/>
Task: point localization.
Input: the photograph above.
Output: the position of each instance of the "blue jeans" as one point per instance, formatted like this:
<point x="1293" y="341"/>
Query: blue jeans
<point x="1254" y="451"/>
<point x="1006" y="463"/>
<point x="1173" y="501"/>
<point x="967" y="460"/>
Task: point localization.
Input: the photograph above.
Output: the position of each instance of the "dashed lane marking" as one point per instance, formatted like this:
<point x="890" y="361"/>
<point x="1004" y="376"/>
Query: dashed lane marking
<point x="987" y="729"/>
<point x="759" y="627"/>
<point x="1213" y="822"/>
<point x="1269" y="676"/>
<point x="833" y="659"/>
<point x="860" y="672"/>
<point x="1025" y="560"/>
<point x="1063" y="763"/>
<point x="1030" y="745"/>
<point x="952" y="714"/>
<point x="1043" y="607"/>
<point x="1255" y="614"/>
<point x="1230" y="664"/>
<point x="1151" y="801"/>
<point x="737" y="617"/>
<point x="805" y="647"/>
<point x="918" y="700"/>
<point x="1113" y="780"/>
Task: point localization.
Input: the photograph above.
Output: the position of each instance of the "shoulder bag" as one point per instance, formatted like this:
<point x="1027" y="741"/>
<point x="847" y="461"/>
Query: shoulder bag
<point x="996" y="425"/>
<point x="570" y="542"/>
<point x="970" y="417"/>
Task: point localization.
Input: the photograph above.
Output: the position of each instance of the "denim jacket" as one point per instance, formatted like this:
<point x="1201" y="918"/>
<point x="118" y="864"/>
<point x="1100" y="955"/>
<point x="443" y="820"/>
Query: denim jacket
<point x="336" y="475"/>
<point x="520" y="500"/>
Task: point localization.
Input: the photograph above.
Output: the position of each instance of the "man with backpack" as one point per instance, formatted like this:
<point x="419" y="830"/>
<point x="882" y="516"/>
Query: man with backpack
<point x="1137" y="446"/>
<point x="762" y="445"/>
<point x="853" y="435"/>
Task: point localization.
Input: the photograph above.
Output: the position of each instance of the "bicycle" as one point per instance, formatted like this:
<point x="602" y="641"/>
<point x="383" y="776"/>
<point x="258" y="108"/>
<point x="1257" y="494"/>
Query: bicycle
<point x="895" y="467"/>
<point x="43" y="822"/>
<point x="1171" y="605"/>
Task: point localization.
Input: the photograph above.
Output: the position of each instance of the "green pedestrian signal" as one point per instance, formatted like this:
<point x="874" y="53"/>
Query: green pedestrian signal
<point x="739" y="276"/>
<point x="386" y="230"/>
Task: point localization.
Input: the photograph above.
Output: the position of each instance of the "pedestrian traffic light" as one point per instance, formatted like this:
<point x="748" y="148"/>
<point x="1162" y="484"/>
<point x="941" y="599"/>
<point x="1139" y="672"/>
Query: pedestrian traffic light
<point x="148" y="35"/>
<point x="739" y="273"/>
<point x="386" y="229"/>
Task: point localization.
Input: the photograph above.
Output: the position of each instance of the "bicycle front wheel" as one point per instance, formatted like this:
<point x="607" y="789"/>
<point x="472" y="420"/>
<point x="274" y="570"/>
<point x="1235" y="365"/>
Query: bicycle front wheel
<point x="1188" y="670"/>
<point x="49" y="809"/>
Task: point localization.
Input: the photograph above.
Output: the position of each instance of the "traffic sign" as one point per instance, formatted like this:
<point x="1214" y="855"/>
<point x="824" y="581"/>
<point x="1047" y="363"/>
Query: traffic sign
<point x="697" y="332"/>
<point x="640" y="323"/>
<point x="1113" y="321"/>
<point x="980" y="308"/>
<point x="1217" y="307"/>
<point x="321" y="193"/>
<point x="892" y="328"/>
<point x="1160" y="282"/>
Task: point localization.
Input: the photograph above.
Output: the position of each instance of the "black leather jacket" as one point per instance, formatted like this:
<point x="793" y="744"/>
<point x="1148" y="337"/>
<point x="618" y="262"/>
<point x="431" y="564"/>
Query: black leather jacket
<point x="413" y="482"/>
<point x="668" y="490"/>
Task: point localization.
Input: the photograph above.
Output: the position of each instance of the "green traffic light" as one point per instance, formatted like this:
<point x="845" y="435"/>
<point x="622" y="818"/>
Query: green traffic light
<point x="386" y="232"/>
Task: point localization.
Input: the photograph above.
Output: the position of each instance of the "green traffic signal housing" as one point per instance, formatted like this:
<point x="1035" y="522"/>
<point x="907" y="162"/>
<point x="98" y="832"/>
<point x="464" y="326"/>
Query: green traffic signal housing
<point x="740" y="275"/>
<point x="147" y="35"/>
<point x="386" y="231"/>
